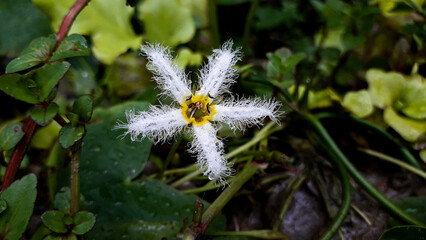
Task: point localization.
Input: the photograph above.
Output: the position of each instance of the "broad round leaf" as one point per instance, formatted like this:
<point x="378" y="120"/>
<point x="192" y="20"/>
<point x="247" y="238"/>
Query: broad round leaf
<point x="83" y="222"/>
<point x="35" y="86"/>
<point x="384" y="87"/>
<point x="54" y="220"/>
<point x="358" y="103"/>
<point x="20" y="197"/>
<point x="10" y="136"/>
<point x="415" y="206"/>
<point x="70" y="134"/>
<point x="405" y="233"/>
<point x="43" y="115"/>
<point x="37" y="52"/>
<point x="409" y="129"/>
<point x="168" y="21"/>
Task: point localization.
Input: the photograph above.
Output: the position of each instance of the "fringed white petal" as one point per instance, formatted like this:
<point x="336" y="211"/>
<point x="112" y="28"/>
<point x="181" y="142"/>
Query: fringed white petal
<point x="167" y="74"/>
<point x="210" y="153"/>
<point x="218" y="75"/>
<point x="239" y="113"/>
<point x="158" y="124"/>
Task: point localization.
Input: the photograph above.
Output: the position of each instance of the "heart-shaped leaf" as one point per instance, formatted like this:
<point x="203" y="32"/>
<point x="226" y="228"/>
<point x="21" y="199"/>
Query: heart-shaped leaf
<point x="83" y="107"/>
<point x="10" y="136"/>
<point x="70" y="134"/>
<point x="37" y="52"/>
<point x="404" y="232"/>
<point x="43" y="115"/>
<point x="54" y="220"/>
<point x="415" y="206"/>
<point x="35" y="86"/>
<point x="83" y="221"/>
<point x="20" y="197"/>
<point x="72" y="46"/>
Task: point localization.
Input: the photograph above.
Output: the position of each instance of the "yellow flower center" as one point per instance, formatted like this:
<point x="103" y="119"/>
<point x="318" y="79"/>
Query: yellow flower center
<point x="197" y="110"/>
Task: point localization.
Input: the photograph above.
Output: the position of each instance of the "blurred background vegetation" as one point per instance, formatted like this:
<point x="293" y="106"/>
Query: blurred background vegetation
<point x="358" y="66"/>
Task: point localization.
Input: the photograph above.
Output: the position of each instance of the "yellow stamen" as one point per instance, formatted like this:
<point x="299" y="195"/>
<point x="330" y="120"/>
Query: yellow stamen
<point x="198" y="103"/>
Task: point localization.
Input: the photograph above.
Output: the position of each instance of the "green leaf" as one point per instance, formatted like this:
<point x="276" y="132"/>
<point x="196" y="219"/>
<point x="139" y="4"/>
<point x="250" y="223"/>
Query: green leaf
<point x="37" y="52"/>
<point x="409" y="129"/>
<point x="106" y="21"/>
<point x="62" y="200"/>
<point x="83" y="107"/>
<point x="83" y="222"/>
<point x="404" y="232"/>
<point x="10" y="136"/>
<point x="43" y="115"/>
<point x="412" y="100"/>
<point x="3" y="205"/>
<point x="384" y="87"/>
<point x="20" y="197"/>
<point x="168" y="21"/>
<point x="70" y="134"/>
<point x="186" y="57"/>
<point x="358" y="103"/>
<point x="52" y="237"/>
<point x="72" y="46"/>
<point x="24" y="23"/>
<point x="35" y="86"/>
<point x="54" y="220"/>
<point x="415" y="206"/>
<point x="45" y="136"/>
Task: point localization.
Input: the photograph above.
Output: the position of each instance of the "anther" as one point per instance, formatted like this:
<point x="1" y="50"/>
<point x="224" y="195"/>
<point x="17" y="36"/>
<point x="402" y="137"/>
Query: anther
<point x="190" y="105"/>
<point x="192" y="112"/>
<point x="208" y="108"/>
<point x="188" y="98"/>
<point x="208" y="94"/>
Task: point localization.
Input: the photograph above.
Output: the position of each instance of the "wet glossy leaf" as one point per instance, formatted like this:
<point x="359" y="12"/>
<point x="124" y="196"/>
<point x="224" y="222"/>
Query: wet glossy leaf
<point x="20" y="197"/>
<point x="23" y="20"/>
<point x="409" y="129"/>
<point x="70" y="134"/>
<point x="404" y="232"/>
<point x="358" y="103"/>
<point x="43" y="115"/>
<point x="384" y="87"/>
<point x="412" y="100"/>
<point x="10" y="136"/>
<point x="35" y="86"/>
<point x="72" y="46"/>
<point x="83" y="222"/>
<point x="83" y="107"/>
<point x="82" y="76"/>
<point x="415" y="206"/>
<point x="106" y="21"/>
<point x="37" y="52"/>
<point x="54" y="220"/>
<point x="3" y="205"/>
<point x="168" y="21"/>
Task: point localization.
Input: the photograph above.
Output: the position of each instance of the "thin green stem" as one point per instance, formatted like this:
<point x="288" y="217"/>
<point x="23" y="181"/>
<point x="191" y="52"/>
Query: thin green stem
<point x="404" y="151"/>
<point x="390" y="159"/>
<point x="186" y="178"/>
<point x="357" y="176"/>
<point x="170" y="156"/>
<point x="361" y="214"/>
<point x="292" y="187"/>
<point x="249" y="22"/>
<point x="75" y="177"/>
<point x="214" y="26"/>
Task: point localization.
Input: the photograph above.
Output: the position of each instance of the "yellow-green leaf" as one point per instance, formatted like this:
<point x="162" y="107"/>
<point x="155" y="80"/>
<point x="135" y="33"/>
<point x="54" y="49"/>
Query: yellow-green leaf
<point x="168" y="21"/>
<point x="358" y="103"/>
<point x="187" y="57"/>
<point x="384" y="87"/>
<point x="106" y="21"/>
<point x="409" y="129"/>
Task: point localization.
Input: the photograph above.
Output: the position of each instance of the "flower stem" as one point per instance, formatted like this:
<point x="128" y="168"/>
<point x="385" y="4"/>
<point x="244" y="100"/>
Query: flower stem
<point x="75" y="177"/>
<point x="249" y="22"/>
<point x="18" y="153"/>
<point x="334" y="150"/>
<point x="292" y="187"/>
<point x="404" y="151"/>
<point x="394" y="161"/>
<point x="214" y="27"/>
<point x="68" y="20"/>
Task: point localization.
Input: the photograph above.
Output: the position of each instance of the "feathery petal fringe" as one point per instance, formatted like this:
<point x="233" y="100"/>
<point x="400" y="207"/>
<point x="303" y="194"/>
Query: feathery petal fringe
<point x="157" y="124"/>
<point x="169" y="77"/>
<point x="242" y="112"/>
<point x="210" y="153"/>
<point x="217" y="76"/>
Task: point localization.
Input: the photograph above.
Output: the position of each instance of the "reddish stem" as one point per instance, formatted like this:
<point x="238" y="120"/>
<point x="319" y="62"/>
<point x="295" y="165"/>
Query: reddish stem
<point x="18" y="154"/>
<point x="68" y="20"/>
<point x="60" y="120"/>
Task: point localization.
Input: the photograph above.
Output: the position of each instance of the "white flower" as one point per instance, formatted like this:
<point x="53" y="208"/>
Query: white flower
<point x="197" y="110"/>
